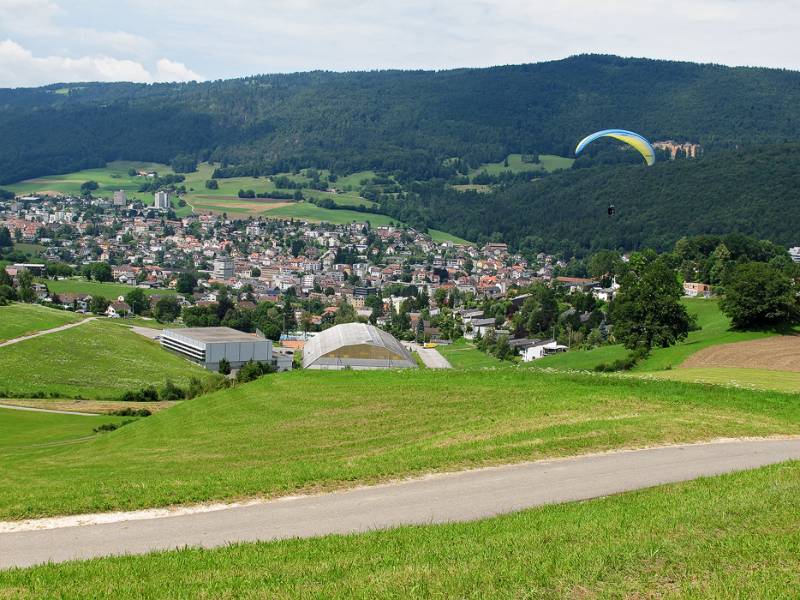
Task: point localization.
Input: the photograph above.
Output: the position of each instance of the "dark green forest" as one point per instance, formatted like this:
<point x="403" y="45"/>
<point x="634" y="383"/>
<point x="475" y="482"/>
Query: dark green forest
<point x="754" y="191"/>
<point x="402" y="122"/>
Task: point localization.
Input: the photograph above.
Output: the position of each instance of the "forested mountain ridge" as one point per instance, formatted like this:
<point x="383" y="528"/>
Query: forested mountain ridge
<point x="406" y="122"/>
<point x="754" y="191"/>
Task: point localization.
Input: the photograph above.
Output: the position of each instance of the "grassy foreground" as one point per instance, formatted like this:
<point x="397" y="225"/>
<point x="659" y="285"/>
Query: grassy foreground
<point x="21" y="429"/>
<point x="734" y="536"/>
<point x="17" y="320"/>
<point x="313" y="430"/>
<point x="97" y="360"/>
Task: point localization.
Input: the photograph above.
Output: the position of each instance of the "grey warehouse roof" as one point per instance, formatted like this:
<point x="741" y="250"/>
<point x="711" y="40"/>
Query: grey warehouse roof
<point x="355" y="334"/>
<point x="214" y="334"/>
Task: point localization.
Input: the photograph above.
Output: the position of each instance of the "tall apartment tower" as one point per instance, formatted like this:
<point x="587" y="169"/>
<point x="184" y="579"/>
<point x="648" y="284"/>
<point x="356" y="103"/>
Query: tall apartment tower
<point x="120" y="198"/>
<point x="162" y="200"/>
<point x="223" y="267"/>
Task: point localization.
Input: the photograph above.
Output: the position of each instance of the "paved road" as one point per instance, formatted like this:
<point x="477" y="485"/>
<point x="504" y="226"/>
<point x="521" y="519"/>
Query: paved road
<point x="436" y="499"/>
<point x="430" y="356"/>
<point x="46" y="332"/>
<point x="147" y="331"/>
<point x="49" y="410"/>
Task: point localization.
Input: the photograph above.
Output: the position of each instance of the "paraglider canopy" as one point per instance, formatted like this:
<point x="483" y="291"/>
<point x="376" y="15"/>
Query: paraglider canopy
<point x="623" y="135"/>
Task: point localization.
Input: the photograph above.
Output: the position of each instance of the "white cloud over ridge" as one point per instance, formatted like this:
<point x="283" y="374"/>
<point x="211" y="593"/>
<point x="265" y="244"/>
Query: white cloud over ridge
<point x="20" y="68"/>
<point x="68" y="39"/>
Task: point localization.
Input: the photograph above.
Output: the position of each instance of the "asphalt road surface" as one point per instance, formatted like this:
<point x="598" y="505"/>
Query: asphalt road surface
<point x="441" y="498"/>
<point x="430" y="356"/>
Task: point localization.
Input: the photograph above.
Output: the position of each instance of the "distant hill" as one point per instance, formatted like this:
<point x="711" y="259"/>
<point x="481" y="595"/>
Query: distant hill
<point x="407" y="122"/>
<point x="754" y="191"/>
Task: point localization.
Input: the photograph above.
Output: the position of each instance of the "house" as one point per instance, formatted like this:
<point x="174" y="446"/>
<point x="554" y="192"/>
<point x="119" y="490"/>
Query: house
<point x="118" y="309"/>
<point x="540" y="349"/>
<point x="696" y="290"/>
<point x="577" y="284"/>
<point x="481" y="326"/>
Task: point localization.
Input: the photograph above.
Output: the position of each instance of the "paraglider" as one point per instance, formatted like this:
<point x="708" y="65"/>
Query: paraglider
<point x="611" y="210"/>
<point x="629" y="137"/>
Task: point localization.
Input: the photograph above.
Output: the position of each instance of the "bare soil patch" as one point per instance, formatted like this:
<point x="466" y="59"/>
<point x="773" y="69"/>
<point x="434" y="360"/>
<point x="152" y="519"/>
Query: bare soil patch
<point x="87" y="406"/>
<point x="779" y="353"/>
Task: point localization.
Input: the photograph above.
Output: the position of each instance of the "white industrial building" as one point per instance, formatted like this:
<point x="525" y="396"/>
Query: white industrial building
<point x="207" y="346"/>
<point x="356" y="346"/>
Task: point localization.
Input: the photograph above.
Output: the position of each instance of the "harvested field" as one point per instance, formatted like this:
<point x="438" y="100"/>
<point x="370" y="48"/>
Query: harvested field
<point x="87" y="406"/>
<point x="778" y="353"/>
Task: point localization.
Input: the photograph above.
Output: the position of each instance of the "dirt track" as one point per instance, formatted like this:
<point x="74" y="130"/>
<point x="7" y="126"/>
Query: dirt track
<point x="779" y="353"/>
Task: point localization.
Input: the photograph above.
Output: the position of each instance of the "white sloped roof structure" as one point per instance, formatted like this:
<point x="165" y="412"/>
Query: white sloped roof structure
<point x="357" y="346"/>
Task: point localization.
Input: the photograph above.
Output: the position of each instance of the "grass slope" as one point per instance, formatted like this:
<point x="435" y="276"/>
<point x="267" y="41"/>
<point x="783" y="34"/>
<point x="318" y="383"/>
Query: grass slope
<point x="547" y="162"/>
<point x="24" y="430"/>
<point x="95" y="360"/>
<point x="463" y="354"/>
<point x="781" y="381"/>
<point x="17" y="320"/>
<point x="307" y="431"/>
<point x="714" y="329"/>
<point x="729" y="536"/>
<point x="108" y="290"/>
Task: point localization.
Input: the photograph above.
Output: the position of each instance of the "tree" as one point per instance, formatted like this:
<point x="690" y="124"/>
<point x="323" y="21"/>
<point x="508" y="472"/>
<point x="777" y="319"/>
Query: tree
<point x="224" y="366"/>
<point x="759" y="295"/>
<point x="5" y="238"/>
<point x="87" y="187"/>
<point x="7" y="294"/>
<point x="212" y="184"/>
<point x="137" y="300"/>
<point x="186" y="282"/>
<point x="167" y="309"/>
<point x="98" y="305"/>
<point x="345" y="314"/>
<point x="648" y="311"/>
<point x="25" y="287"/>
<point x="102" y="272"/>
<point x="502" y="349"/>
<point x="255" y="272"/>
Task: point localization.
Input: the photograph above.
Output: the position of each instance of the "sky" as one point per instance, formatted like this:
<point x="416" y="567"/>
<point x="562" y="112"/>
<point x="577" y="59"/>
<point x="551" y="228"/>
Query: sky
<point x="55" y="41"/>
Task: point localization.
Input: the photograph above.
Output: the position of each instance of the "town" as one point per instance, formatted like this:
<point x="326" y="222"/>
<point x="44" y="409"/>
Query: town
<point x="315" y="274"/>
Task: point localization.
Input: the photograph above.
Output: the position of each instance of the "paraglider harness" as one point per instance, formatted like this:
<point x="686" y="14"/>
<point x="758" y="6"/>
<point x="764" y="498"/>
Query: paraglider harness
<point x="611" y="210"/>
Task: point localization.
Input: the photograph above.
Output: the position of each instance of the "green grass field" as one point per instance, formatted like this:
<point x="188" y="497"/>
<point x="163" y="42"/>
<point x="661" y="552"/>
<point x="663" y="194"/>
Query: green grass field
<point x="22" y="431"/>
<point x="781" y="381"/>
<point x="108" y="290"/>
<point x="463" y="354"/>
<point x="443" y="236"/>
<point x="311" y="212"/>
<point x="113" y="176"/>
<point x="17" y="319"/>
<point x="310" y="430"/>
<point x="715" y="329"/>
<point x="547" y="162"/>
<point x="732" y="536"/>
<point x="97" y="360"/>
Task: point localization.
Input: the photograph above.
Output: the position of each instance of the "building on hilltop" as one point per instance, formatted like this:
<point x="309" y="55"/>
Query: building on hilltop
<point x="356" y="346"/>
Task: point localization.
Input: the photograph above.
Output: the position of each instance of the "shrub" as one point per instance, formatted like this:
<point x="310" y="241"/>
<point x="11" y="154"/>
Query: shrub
<point x="131" y="412"/>
<point x="251" y="371"/>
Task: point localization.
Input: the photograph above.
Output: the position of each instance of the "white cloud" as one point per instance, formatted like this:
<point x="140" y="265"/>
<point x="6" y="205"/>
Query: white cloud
<point x="167" y="70"/>
<point x="19" y="67"/>
<point x="241" y="37"/>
